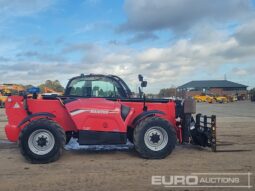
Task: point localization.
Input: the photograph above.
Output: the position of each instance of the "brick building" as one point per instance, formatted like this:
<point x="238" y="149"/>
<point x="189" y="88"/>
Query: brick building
<point x="214" y="87"/>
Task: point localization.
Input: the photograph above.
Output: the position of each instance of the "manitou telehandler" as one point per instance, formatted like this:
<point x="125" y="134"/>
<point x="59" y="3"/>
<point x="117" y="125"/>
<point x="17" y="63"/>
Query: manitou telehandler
<point x="101" y="110"/>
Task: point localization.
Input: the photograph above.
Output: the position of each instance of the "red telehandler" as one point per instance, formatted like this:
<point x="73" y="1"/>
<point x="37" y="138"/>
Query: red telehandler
<point x="100" y="110"/>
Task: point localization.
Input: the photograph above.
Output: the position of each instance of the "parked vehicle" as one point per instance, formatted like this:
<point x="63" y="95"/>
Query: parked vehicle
<point x="99" y="109"/>
<point x="221" y="99"/>
<point x="204" y="98"/>
<point x="7" y="90"/>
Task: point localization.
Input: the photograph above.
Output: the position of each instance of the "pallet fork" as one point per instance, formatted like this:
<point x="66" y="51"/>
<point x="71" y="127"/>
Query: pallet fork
<point x="204" y="132"/>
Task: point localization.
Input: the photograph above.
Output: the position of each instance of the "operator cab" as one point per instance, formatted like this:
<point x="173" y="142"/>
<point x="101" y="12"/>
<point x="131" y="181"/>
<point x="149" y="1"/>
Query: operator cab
<point x="102" y="86"/>
<point x="110" y="87"/>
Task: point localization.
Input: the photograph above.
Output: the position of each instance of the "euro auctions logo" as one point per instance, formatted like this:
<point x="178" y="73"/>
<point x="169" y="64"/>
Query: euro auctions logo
<point x="204" y="180"/>
<point x="174" y="180"/>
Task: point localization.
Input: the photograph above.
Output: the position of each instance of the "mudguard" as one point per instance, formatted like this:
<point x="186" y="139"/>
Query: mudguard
<point x="146" y="114"/>
<point x="41" y="114"/>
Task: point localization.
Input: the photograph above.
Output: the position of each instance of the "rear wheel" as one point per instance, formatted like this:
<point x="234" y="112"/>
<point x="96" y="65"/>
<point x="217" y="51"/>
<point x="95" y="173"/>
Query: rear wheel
<point x="42" y="141"/>
<point x="154" y="138"/>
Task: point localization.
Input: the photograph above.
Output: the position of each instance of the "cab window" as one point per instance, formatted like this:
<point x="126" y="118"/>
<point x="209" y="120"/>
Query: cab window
<point x="94" y="87"/>
<point x="76" y="87"/>
<point x="104" y="89"/>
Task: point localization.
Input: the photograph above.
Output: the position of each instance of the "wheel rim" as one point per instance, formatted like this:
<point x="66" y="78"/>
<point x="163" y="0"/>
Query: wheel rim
<point x="156" y="138"/>
<point x="41" y="142"/>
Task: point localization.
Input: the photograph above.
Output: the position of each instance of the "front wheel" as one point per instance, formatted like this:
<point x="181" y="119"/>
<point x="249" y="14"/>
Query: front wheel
<point x="42" y="141"/>
<point x="154" y="138"/>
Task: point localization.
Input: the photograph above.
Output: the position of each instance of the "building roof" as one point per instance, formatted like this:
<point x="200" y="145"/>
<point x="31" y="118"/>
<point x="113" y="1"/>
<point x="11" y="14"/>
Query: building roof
<point x="212" y="84"/>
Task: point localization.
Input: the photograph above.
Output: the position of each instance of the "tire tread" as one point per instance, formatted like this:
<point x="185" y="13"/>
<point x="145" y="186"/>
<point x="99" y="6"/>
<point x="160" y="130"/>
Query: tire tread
<point x="139" y="130"/>
<point x="45" y="122"/>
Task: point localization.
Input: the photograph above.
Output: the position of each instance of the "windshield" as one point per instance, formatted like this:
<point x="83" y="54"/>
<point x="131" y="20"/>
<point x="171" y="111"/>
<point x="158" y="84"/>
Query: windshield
<point x="94" y="87"/>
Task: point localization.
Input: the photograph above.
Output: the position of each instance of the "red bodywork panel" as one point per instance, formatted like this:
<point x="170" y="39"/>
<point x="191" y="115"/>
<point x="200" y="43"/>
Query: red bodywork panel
<point x="16" y="113"/>
<point x="95" y="114"/>
<point x="167" y="108"/>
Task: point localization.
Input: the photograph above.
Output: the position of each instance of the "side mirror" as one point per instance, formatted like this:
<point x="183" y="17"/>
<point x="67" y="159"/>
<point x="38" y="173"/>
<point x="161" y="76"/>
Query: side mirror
<point x="140" y="77"/>
<point x="143" y="84"/>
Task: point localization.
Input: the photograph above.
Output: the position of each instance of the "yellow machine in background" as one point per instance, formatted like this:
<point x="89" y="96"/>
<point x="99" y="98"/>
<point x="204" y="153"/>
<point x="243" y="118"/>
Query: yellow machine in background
<point x="7" y="90"/>
<point x="221" y="99"/>
<point x="204" y="98"/>
<point x="47" y="90"/>
<point x="232" y="98"/>
<point x="2" y="99"/>
<point x="212" y="99"/>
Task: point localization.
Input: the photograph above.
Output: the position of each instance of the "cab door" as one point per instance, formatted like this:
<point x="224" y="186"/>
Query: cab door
<point x="98" y="120"/>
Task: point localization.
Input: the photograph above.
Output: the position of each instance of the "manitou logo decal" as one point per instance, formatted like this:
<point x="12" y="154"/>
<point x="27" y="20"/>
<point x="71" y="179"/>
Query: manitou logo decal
<point x="204" y="180"/>
<point x="94" y="111"/>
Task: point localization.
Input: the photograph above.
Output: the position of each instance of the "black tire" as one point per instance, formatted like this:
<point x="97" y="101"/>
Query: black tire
<point x="140" y="132"/>
<point x="44" y="125"/>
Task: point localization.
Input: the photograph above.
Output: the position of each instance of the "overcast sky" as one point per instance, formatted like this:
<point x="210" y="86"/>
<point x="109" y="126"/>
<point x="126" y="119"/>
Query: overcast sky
<point x="170" y="42"/>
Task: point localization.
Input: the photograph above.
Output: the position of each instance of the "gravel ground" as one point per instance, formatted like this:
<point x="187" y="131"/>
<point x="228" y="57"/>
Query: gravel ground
<point x="124" y="170"/>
